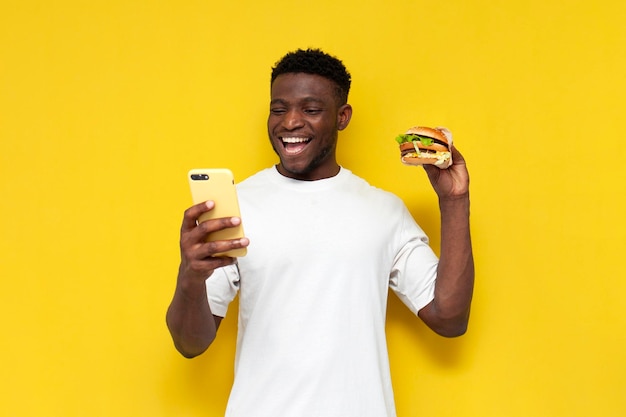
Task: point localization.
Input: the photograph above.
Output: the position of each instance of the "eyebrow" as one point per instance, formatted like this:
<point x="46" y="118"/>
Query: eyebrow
<point x="303" y="100"/>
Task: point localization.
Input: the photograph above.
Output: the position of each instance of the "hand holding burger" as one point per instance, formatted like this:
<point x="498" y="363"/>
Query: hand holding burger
<point x="426" y="146"/>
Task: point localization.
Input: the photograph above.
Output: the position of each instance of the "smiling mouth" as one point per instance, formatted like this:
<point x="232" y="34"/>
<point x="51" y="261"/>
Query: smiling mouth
<point x="294" y="145"/>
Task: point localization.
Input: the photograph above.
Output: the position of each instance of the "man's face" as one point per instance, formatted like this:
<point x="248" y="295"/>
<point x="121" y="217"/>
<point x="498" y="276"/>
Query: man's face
<point x="303" y="123"/>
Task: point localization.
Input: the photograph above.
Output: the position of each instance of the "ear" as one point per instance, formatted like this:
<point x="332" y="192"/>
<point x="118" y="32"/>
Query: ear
<point x="343" y="116"/>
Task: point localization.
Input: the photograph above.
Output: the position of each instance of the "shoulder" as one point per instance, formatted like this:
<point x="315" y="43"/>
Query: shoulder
<point x="363" y="187"/>
<point x="259" y="179"/>
<point x="256" y="177"/>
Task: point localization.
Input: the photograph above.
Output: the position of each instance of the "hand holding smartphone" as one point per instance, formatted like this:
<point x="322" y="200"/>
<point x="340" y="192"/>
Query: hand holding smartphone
<point x="218" y="185"/>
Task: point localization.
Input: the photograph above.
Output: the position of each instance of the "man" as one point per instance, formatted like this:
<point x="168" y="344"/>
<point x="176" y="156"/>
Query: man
<point x="323" y="249"/>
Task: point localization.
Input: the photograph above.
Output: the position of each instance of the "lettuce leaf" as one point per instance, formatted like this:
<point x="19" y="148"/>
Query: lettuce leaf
<point x="412" y="138"/>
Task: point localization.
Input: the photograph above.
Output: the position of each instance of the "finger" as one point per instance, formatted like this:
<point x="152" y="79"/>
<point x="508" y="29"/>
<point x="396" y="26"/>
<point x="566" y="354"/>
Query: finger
<point x="446" y="132"/>
<point x="198" y="234"/>
<point x="213" y="225"/>
<point x="457" y="157"/>
<point x="190" y="218"/>
<point x="204" y="267"/>
<point x="203" y="258"/>
<point x="212" y="248"/>
<point x="192" y="237"/>
<point x="432" y="172"/>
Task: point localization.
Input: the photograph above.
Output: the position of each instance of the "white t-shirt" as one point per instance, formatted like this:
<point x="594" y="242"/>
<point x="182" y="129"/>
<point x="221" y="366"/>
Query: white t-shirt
<point x="313" y="295"/>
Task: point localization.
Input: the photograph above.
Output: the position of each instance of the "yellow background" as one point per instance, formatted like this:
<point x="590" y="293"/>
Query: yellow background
<point x="105" y="105"/>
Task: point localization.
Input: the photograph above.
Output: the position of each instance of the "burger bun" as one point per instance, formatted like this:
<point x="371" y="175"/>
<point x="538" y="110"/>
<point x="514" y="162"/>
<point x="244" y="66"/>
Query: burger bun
<point x="416" y="153"/>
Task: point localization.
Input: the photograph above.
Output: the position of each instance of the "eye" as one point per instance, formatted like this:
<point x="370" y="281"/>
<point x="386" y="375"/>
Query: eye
<point x="277" y="110"/>
<point x="313" y="111"/>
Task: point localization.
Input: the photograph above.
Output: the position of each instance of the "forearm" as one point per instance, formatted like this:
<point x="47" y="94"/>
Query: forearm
<point x="448" y="313"/>
<point x="189" y="318"/>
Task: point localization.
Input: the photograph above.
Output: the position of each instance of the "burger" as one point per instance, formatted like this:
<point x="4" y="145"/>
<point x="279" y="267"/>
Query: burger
<point x="426" y="146"/>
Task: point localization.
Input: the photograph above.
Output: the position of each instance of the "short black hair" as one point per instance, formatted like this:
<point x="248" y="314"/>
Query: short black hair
<point x="317" y="62"/>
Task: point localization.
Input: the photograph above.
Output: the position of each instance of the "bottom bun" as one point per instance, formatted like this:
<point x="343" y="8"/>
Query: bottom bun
<point x="443" y="161"/>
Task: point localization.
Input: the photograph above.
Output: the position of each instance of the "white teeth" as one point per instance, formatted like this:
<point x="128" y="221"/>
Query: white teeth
<point x="295" y="140"/>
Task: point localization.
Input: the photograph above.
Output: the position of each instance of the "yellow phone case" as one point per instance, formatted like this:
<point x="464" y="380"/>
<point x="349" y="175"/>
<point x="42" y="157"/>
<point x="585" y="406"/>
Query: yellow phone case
<point x="218" y="185"/>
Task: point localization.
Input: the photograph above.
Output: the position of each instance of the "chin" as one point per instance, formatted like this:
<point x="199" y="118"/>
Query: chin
<point x="294" y="171"/>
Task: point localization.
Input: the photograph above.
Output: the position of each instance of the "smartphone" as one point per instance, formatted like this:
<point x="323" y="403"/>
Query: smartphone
<point x="218" y="185"/>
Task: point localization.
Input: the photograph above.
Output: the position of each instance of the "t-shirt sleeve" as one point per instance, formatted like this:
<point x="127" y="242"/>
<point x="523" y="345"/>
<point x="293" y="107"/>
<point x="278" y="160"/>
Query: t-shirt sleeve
<point x="414" y="269"/>
<point x="222" y="287"/>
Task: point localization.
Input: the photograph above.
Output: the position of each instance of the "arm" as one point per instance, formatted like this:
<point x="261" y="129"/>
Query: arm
<point x="189" y="318"/>
<point x="448" y="313"/>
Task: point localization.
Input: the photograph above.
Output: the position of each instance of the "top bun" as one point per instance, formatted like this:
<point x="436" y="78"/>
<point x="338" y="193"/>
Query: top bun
<point x="428" y="132"/>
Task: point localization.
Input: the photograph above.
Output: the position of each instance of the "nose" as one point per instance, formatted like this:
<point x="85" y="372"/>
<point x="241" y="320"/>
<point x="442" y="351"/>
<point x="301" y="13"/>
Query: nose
<point x="293" y="120"/>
